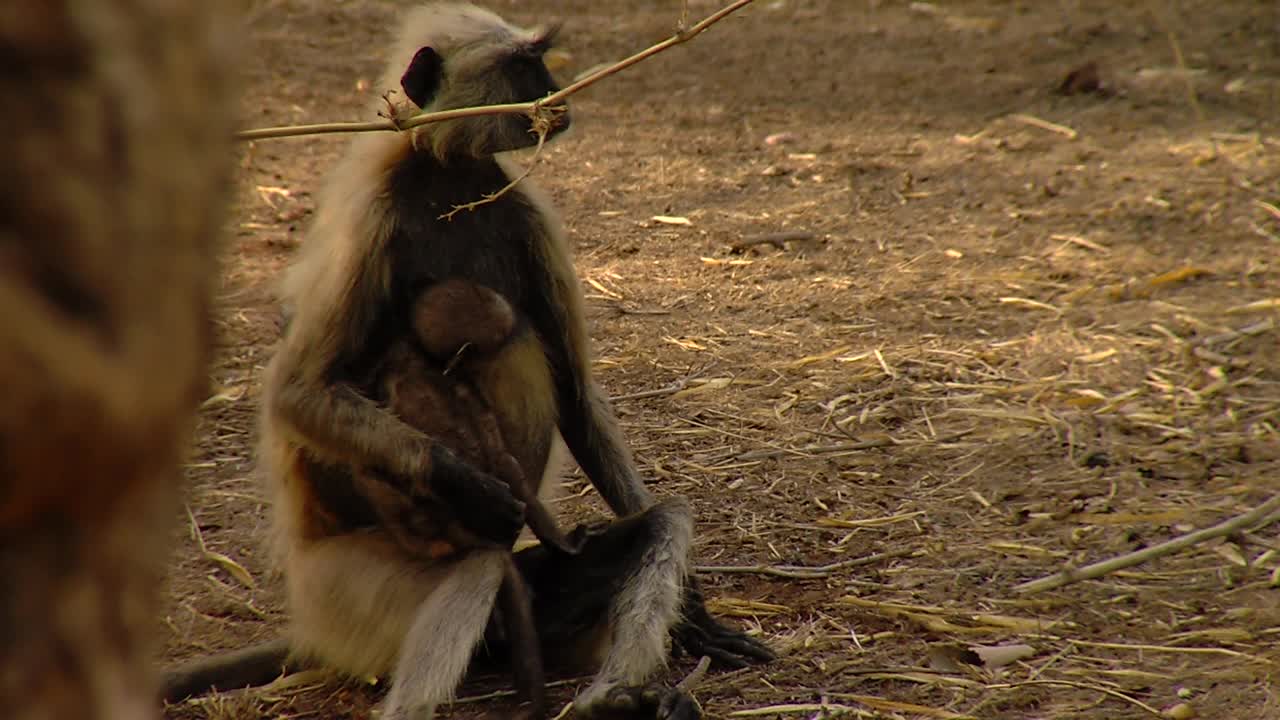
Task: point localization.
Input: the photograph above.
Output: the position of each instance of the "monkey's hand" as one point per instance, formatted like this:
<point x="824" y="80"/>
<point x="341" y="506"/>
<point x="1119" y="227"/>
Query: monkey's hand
<point x="480" y="502"/>
<point x="640" y="702"/>
<point x="578" y="537"/>
<point x="699" y="634"/>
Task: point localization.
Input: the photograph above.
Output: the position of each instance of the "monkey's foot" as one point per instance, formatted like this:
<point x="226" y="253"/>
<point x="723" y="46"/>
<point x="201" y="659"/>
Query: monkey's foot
<point x="642" y="702"/>
<point x="699" y="634"/>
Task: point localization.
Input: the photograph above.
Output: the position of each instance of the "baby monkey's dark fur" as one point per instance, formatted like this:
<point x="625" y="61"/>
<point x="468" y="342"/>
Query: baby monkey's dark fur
<point x="428" y="380"/>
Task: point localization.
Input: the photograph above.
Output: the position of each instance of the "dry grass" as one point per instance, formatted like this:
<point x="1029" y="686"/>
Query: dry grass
<point x="1006" y="333"/>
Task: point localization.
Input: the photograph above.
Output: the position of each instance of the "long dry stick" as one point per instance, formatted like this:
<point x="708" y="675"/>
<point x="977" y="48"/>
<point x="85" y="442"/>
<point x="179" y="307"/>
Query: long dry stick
<point x="838" y="447"/>
<point x="1083" y="686"/>
<point x="1098" y="569"/>
<point x="806" y="572"/>
<point x="536" y="109"/>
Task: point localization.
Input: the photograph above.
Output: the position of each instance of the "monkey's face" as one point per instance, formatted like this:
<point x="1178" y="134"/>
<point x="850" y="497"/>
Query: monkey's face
<point x="483" y="72"/>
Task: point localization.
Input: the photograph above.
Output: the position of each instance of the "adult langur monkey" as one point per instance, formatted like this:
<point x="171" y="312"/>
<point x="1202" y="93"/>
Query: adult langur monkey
<point x="358" y="602"/>
<point x="117" y="118"/>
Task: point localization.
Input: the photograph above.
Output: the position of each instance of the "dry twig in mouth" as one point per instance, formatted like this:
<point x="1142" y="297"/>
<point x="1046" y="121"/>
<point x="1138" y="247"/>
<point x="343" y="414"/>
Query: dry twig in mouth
<point x="537" y="108"/>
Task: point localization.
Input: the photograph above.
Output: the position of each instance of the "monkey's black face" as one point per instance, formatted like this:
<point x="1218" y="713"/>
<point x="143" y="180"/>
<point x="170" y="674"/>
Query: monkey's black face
<point x="530" y="80"/>
<point x="526" y="78"/>
<point x="470" y="78"/>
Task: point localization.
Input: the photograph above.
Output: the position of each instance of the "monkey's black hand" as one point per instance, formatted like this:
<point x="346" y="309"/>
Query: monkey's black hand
<point x="699" y="634"/>
<point x="483" y="504"/>
<point x="578" y="537"/>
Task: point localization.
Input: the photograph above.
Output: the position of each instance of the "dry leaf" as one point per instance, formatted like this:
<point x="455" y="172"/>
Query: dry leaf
<point x="606" y="291"/>
<point x="225" y="395"/>
<point x="997" y="656"/>
<point x="810" y="359"/>
<point x="1017" y="624"/>
<point x="1097" y="356"/>
<point x="1128" y="518"/>
<point x="1257" y="306"/>
<point x="963" y="23"/>
<point x="737" y="607"/>
<point x="685" y="344"/>
<point x="1218" y="635"/>
<point x="1182" y="274"/>
<point x="704" y="386"/>
<point x="299" y="679"/>
<point x="671" y="220"/>
<point x="233" y="568"/>
<point x="896" y="706"/>
<point x="1231" y="552"/>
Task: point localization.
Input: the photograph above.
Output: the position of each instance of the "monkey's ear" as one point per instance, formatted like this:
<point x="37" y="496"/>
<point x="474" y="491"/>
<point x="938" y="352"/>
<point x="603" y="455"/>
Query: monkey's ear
<point x="421" y="79"/>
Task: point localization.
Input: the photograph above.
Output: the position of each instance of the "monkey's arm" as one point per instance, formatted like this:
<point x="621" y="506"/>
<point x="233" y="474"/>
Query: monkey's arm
<point x="340" y="423"/>
<point x="593" y="436"/>
<point x="554" y="307"/>
<point x="589" y="428"/>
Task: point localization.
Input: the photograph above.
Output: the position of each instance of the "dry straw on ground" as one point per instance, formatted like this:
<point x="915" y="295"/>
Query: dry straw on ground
<point x="1007" y="350"/>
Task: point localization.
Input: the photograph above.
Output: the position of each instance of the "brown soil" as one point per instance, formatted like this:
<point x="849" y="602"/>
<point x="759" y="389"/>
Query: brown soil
<point x="1041" y="335"/>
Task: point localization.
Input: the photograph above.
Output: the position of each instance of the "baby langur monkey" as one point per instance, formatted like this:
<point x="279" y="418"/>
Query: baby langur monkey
<point x="428" y="381"/>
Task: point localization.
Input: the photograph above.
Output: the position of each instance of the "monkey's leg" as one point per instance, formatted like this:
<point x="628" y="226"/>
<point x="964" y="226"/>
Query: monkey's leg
<point x="526" y="653"/>
<point x="597" y="444"/>
<point x="446" y="628"/>
<point x="626" y="581"/>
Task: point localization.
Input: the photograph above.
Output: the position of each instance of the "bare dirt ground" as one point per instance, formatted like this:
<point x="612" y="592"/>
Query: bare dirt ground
<point x="1031" y="330"/>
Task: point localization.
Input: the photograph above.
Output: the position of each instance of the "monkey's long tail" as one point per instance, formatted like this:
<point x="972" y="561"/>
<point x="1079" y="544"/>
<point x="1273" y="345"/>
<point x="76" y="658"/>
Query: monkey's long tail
<point x="250" y="667"/>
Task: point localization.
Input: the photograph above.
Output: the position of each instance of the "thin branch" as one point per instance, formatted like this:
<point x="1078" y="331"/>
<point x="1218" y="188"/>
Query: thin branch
<point x="837" y="447"/>
<point x="803" y="572"/>
<point x="671" y="389"/>
<point x="535" y="109"/>
<point x="496" y="694"/>
<point x="1104" y="567"/>
<point x="490" y="197"/>
<point x="383" y="125"/>
<point x="681" y="36"/>
<point x="1082" y="686"/>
